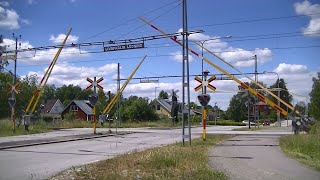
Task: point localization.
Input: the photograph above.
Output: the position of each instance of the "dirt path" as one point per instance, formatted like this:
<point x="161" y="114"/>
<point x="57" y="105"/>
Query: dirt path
<point x="257" y="157"/>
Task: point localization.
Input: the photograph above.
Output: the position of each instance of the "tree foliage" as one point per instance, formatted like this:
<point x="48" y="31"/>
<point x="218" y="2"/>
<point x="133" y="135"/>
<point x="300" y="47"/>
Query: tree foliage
<point x="137" y="109"/>
<point x="237" y="109"/>
<point x="284" y="94"/>
<point x="315" y="97"/>
<point x="163" y="95"/>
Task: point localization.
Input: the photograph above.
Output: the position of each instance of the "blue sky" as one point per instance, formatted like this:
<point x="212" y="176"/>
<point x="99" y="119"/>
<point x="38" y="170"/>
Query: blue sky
<point x="283" y="34"/>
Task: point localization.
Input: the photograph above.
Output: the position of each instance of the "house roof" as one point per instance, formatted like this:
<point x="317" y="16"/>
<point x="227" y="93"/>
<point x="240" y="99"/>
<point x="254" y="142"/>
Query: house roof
<point x="165" y="103"/>
<point x="48" y="104"/>
<point x="84" y="106"/>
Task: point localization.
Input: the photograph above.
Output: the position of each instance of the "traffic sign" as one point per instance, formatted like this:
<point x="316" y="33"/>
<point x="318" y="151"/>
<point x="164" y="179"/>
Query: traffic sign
<point x="204" y="99"/>
<point x="93" y="99"/>
<point x="7" y="57"/>
<point x="124" y="47"/>
<point x="13" y="88"/>
<point x="94" y="83"/>
<point x="205" y="83"/>
<point x="12" y="102"/>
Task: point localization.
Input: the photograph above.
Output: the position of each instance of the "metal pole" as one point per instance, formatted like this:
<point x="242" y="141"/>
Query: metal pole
<point x="118" y="105"/>
<point x="183" y="64"/>
<point x="278" y="113"/>
<point x="188" y="85"/>
<point x="204" y="114"/>
<point x="94" y="107"/>
<point x="249" y="110"/>
<point x="256" y="80"/>
<point x="12" y="90"/>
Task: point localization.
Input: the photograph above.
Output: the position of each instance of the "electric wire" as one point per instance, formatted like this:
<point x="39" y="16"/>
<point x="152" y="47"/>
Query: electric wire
<point x="254" y="20"/>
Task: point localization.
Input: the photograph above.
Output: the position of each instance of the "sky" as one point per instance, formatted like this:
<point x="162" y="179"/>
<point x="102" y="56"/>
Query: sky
<point x="283" y="34"/>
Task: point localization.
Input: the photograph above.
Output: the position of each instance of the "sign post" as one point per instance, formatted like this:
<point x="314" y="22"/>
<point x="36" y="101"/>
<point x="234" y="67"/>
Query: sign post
<point x="94" y="97"/>
<point x="204" y="98"/>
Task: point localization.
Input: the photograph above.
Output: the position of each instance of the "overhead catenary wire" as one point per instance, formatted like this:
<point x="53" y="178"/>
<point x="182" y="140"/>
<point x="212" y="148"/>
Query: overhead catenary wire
<point x="255" y="20"/>
<point x="130" y="20"/>
<point x="154" y="56"/>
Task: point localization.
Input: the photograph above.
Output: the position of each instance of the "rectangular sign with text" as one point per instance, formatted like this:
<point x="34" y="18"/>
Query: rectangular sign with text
<point x="124" y="47"/>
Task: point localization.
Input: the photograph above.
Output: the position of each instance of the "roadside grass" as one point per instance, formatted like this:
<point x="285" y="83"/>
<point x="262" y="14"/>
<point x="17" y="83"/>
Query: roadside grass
<point x="41" y="126"/>
<point x="304" y="147"/>
<point x="225" y="123"/>
<point x="253" y="128"/>
<point x="6" y="129"/>
<point x="168" y="162"/>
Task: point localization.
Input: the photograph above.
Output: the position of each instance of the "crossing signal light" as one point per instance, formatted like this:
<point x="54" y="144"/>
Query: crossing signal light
<point x="204" y="99"/>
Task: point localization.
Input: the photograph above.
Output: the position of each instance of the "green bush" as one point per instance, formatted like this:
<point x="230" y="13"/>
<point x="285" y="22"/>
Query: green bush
<point x="70" y="116"/>
<point x="226" y="123"/>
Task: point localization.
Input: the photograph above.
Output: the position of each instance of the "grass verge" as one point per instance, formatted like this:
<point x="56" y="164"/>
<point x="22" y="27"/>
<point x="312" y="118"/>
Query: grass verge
<point x="253" y="128"/>
<point x="6" y="129"/>
<point x="304" y="147"/>
<point x="168" y="162"/>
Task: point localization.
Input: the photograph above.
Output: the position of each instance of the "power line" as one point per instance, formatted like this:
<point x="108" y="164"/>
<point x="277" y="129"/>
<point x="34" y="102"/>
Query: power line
<point x="254" y="20"/>
<point x="103" y="43"/>
<point x="166" y="55"/>
<point x="130" y="20"/>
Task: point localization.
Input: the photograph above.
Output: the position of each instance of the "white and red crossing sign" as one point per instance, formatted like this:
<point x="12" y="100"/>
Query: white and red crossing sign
<point x="95" y="83"/>
<point x="205" y="83"/>
<point x="13" y="88"/>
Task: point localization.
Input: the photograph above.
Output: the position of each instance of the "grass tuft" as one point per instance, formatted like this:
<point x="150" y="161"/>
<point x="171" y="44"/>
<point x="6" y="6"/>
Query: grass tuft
<point x="304" y="147"/>
<point x="168" y="162"/>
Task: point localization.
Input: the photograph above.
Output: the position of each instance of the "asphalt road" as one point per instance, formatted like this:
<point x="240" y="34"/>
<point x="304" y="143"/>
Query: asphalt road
<point x="251" y="157"/>
<point x="43" y="161"/>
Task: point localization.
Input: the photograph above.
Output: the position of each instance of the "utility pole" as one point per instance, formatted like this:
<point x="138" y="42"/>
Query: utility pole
<point x="255" y="106"/>
<point x="12" y="100"/>
<point x="205" y="110"/>
<point x="185" y="74"/>
<point x="118" y="105"/>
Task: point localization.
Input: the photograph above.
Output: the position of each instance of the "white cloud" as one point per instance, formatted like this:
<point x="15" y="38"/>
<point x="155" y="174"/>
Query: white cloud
<point x="65" y="74"/>
<point x="44" y="56"/>
<point x="243" y="58"/>
<point x="306" y="8"/>
<point x="284" y="68"/>
<point x="25" y="21"/>
<point x="59" y="38"/>
<point x="4" y="3"/>
<point x="237" y="56"/>
<point x="9" y="19"/>
<point x="177" y="56"/>
<point x="31" y="2"/>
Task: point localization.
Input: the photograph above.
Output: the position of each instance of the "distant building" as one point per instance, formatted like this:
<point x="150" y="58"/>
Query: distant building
<point x="263" y="107"/>
<point x="51" y="108"/>
<point x="81" y="108"/>
<point x="163" y="107"/>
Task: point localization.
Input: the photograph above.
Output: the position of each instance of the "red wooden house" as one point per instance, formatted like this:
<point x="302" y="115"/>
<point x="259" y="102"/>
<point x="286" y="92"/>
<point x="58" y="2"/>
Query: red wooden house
<point x="81" y="108"/>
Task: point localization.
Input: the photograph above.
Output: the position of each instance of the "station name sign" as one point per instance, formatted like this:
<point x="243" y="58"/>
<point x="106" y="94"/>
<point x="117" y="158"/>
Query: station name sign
<point x="124" y="47"/>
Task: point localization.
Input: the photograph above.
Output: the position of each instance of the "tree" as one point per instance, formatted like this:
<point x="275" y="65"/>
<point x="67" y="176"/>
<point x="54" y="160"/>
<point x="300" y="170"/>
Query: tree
<point x="5" y="78"/>
<point x="284" y="94"/>
<point x="68" y="93"/>
<point x="49" y="92"/>
<point x="315" y="97"/>
<point x="163" y="95"/>
<point x="27" y="87"/>
<point x="237" y="109"/>
<point x="301" y="107"/>
<point x="137" y="109"/>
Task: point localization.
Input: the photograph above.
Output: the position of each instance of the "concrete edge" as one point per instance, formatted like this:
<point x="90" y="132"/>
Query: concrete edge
<point x="61" y="141"/>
